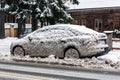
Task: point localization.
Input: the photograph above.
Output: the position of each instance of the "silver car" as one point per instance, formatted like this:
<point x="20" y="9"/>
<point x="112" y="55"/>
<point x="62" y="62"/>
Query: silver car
<point x="61" y="40"/>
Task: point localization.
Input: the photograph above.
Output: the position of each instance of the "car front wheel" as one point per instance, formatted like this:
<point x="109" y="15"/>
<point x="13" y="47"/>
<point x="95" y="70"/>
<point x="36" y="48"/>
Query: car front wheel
<point x="18" y="51"/>
<point x="72" y="53"/>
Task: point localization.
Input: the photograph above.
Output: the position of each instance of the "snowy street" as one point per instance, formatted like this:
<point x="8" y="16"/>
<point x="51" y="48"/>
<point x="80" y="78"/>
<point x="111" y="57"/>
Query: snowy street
<point x="23" y="71"/>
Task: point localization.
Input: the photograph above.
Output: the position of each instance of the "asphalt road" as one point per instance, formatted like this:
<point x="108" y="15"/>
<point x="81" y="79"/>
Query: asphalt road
<point x="18" y="76"/>
<point x="16" y="71"/>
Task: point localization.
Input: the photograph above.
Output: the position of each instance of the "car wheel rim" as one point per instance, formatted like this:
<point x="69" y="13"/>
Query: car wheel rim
<point x="72" y="53"/>
<point x="18" y="51"/>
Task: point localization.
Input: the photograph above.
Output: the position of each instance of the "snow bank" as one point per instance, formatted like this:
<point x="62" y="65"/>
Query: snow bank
<point x="6" y="41"/>
<point x="113" y="55"/>
<point x="5" y="45"/>
<point x="85" y="63"/>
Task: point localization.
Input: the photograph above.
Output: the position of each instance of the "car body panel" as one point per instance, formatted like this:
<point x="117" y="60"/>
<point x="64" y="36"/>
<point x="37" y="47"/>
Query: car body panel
<point x="54" y="39"/>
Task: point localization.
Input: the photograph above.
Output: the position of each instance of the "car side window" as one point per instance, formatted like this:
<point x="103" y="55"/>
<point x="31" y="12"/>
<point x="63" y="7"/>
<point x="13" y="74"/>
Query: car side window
<point x="58" y="33"/>
<point x="76" y="33"/>
<point x="54" y="33"/>
<point x="40" y="34"/>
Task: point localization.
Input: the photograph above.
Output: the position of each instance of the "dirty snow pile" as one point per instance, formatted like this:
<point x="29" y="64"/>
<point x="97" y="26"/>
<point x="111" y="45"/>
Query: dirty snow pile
<point x="84" y="63"/>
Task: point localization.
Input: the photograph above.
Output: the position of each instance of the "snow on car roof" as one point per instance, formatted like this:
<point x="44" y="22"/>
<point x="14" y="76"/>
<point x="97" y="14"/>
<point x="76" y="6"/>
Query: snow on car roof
<point x="80" y="28"/>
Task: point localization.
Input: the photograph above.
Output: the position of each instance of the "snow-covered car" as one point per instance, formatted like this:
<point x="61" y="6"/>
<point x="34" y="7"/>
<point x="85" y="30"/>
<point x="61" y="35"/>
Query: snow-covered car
<point x="61" y="40"/>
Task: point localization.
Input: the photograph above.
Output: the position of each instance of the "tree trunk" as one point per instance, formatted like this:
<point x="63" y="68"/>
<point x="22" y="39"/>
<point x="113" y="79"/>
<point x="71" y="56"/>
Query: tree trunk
<point x="52" y="21"/>
<point x="2" y="21"/>
<point x="34" y="20"/>
<point x="19" y="27"/>
<point x="41" y="23"/>
<point x="34" y="23"/>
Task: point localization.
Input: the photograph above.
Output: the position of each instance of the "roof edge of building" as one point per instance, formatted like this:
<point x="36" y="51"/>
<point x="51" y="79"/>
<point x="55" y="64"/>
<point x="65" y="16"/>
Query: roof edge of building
<point x="89" y="9"/>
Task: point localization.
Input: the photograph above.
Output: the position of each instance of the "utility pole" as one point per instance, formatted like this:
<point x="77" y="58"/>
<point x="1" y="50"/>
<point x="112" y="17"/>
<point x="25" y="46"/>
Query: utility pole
<point x="2" y="20"/>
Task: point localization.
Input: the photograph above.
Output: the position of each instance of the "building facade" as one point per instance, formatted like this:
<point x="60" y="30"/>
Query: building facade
<point x="99" y="15"/>
<point x="99" y="19"/>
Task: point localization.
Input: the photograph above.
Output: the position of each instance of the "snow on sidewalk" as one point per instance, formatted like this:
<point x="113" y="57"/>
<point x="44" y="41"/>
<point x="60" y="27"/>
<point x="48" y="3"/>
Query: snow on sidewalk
<point x="5" y="45"/>
<point x="113" y="55"/>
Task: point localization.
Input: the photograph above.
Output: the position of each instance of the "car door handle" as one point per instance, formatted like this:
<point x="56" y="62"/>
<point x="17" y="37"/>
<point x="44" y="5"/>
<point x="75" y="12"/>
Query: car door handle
<point x="62" y="41"/>
<point x="41" y="42"/>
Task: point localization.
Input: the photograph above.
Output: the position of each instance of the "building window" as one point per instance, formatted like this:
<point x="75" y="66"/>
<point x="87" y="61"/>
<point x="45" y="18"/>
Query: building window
<point x="117" y="22"/>
<point x="75" y="22"/>
<point x="83" y="22"/>
<point x="98" y="24"/>
<point x="29" y="21"/>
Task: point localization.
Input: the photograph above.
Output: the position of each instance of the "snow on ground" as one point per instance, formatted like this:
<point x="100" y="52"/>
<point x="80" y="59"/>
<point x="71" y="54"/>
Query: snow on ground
<point x="108" y="61"/>
<point x="5" y="45"/>
<point x="90" y="63"/>
<point x="5" y="48"/>
<point x="113" y="55"/>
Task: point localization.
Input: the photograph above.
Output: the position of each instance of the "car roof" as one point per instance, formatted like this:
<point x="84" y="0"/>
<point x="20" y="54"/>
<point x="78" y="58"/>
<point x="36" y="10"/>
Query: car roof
<point x="80" y="28"/>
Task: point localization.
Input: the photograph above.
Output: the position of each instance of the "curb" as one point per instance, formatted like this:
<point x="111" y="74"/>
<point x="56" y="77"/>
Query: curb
<point x="65" y="67"/>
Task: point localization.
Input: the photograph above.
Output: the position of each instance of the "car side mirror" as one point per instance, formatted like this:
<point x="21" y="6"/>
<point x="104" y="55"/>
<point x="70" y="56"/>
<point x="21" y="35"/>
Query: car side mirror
<point x="30" y="39"/>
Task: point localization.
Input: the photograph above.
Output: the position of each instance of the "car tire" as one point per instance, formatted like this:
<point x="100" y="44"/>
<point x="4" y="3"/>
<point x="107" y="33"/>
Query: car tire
<point x="19" y="51"/>
<point x="72" y="53"/>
